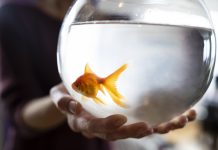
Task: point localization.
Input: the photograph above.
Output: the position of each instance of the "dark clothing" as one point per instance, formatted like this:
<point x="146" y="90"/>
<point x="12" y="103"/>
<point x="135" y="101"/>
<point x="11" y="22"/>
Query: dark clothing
<point x="28" y="69"/>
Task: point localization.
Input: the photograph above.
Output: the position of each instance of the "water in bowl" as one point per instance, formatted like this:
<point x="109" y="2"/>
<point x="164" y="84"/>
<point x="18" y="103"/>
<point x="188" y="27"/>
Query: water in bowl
<point x="169" y="67"/>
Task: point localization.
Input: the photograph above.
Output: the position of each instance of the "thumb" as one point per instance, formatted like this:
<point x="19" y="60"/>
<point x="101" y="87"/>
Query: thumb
<point x="63" y="101"/>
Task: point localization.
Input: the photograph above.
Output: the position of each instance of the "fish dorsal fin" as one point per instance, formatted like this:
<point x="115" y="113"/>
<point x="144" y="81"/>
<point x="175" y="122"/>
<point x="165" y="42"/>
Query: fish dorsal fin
<point x="88" y="69"/>
<point x="110" y="84"/>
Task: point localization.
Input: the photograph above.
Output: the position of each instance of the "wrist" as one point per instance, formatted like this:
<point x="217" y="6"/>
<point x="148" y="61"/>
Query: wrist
<point x="41" y="114"/>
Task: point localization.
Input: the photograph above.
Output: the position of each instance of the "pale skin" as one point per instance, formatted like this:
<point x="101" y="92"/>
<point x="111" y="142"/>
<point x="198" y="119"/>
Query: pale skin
<point x="49" y="112"/>
<point x="112" y="127"/>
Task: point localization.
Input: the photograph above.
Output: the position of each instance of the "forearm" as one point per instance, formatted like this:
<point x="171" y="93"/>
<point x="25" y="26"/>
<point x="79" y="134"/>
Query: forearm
<point x="41" y="114"/>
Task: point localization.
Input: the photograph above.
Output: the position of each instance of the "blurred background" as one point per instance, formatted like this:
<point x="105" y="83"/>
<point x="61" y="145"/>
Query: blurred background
<point x="202" y="134"/>
<point x="199" y="135"/>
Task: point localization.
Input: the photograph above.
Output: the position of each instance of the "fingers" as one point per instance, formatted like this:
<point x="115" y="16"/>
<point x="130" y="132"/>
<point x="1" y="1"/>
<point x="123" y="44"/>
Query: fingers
<point x="163" y="128"/>
<point x="97" y="125"/>
<point x="137" y="130"/>
<point x="176" y="123"/>
<point x="64" y="101"/>
<point x="109" y="128"/>
<point x="107" y="124"/>
<point x="57" y="92"/>
<point x="191" y="114"/>
<point x="68" y="105"/>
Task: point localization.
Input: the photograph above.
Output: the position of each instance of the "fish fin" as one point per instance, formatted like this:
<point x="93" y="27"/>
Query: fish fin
<point x="110" y="81"/>
<point x="88" y="69"/>
<point x="117" y="100"/>
<point x="84" y="98"/>
<point x="101" y="88"/>
<point x="98" y="100"/>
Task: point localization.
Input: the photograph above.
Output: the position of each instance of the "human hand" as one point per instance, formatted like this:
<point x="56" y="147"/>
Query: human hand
<point x="176" y="123"/>
<point x="110" y="128"/>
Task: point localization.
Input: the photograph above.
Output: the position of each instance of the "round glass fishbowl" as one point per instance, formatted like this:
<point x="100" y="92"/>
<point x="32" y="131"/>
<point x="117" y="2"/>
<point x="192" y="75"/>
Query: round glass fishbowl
<point x="149" y="60"/>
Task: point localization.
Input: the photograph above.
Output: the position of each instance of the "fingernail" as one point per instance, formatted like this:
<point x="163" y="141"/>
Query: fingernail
<point x="120" y="121"/>
<point x="72" y="107"/>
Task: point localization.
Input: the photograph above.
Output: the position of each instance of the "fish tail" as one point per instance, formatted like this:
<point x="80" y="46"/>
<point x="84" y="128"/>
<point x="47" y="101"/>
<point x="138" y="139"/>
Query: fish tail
<point x="110" y="84"/>
<point x="117" y="100"/>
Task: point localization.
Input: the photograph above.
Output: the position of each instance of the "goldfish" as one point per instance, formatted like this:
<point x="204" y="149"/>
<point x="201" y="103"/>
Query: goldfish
<point x="89" y="84"/>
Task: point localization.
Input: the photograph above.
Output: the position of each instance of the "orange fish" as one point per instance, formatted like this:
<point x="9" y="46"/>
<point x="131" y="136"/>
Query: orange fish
<point x="89" y="84"/>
